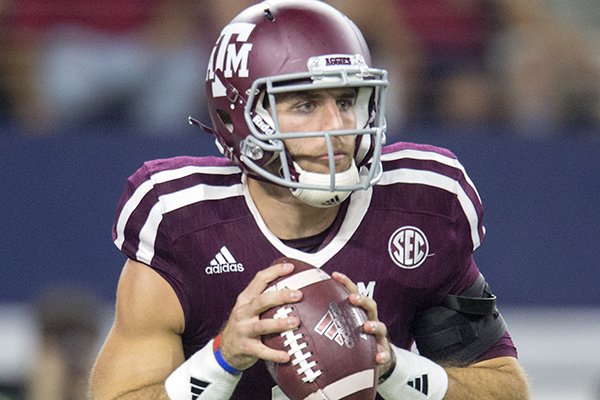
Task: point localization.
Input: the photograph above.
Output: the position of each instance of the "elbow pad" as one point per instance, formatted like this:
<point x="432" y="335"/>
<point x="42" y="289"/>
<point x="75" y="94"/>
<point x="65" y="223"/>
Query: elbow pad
<point x="460" y="329"/>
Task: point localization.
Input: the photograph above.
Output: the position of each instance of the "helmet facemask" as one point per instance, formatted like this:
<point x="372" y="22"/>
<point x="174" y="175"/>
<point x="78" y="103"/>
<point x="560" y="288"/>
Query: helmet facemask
<point x="325" y="72"/>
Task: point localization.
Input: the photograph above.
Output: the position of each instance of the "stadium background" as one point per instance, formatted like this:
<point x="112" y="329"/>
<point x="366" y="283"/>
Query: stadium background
<point x="538" y="172"/>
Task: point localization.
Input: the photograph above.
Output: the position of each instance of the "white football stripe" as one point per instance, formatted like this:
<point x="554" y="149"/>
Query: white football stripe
<point x="430" y="178"/>
<point x="345" y="386"/>
<point x="300" y="280"/>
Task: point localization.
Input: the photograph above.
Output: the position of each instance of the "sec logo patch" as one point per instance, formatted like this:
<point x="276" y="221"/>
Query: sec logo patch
<point x="408" y="247"/>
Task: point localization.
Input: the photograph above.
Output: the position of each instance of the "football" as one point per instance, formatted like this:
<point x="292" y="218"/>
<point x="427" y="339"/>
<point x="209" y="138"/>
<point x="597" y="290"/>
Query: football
<point x="331" y="357"/>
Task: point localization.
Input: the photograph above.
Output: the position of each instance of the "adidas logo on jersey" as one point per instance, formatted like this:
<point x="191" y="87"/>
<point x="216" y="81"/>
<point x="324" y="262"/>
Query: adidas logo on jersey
<point x="223" y="262"/>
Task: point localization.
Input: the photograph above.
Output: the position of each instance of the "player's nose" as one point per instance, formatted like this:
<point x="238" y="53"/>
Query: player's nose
<point x="332" y="117"/>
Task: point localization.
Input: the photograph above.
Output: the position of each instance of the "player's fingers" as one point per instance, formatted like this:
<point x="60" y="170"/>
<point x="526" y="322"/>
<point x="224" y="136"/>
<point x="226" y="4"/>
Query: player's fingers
<point x="244" y="313"/>
<point x="271" y="325"/>
<point x="272" y="299"/>
<point x="262" y="279"/>
<point x="383" y="357"/>
<point x="344" y="280"/>
<point x="266" y="353"/>
<point x="243" y="353"/>
<point x="366" y="303"/>
<point x="377" y="329"/>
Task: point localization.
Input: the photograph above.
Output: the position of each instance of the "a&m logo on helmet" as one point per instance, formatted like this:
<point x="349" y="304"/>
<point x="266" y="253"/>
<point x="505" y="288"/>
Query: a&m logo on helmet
<point x="408" y="247"/>
<point x="230" y="55"/>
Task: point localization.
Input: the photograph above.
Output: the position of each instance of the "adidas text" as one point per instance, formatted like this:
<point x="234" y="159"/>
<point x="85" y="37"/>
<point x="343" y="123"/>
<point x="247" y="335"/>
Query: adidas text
<point x="223" y="268"/>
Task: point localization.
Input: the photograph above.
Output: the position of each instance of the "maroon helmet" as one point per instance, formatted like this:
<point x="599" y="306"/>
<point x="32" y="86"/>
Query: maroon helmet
<point x="288" y="46"/>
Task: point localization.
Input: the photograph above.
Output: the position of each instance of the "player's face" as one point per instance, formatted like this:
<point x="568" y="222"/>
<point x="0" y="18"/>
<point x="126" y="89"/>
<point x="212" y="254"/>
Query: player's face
<point x="319" y="110"/>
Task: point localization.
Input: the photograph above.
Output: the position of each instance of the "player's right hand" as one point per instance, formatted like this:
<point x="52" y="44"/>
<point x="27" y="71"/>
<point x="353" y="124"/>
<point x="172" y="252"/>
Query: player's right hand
<point x="241" y="344"/>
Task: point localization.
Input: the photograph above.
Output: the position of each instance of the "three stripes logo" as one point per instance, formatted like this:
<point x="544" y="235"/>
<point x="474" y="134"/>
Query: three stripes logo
<point x="334" y="327"/>
<point x="197" y="387"/>
<point x="332" y="201"/>
<point x="223" y="262"/>
<point x="420" y="384"/>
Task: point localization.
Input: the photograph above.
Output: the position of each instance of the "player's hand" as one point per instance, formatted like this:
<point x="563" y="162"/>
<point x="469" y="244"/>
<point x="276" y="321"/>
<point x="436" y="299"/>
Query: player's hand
<point x="373" y="326"/>
<point x="241" y="344"/>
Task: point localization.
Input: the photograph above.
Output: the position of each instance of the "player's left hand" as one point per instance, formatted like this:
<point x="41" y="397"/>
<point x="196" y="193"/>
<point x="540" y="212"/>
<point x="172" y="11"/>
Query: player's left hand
<point x="373" y="326"/>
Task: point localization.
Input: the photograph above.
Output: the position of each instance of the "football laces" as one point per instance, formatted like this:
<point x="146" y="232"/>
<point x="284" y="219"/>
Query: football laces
<point x="296" y="349"/>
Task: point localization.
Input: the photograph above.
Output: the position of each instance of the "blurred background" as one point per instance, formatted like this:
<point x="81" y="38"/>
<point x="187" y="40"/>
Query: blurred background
<point x="91" y="89"/>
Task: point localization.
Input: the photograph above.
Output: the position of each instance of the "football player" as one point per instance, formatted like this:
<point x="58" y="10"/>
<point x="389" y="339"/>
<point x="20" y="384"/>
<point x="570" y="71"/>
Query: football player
<point x="298" y="112"/>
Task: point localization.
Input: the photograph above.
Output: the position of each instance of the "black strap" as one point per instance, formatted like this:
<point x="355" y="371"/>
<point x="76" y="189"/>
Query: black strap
<point x="476" y="304"/>
<point x="460" y="329"/>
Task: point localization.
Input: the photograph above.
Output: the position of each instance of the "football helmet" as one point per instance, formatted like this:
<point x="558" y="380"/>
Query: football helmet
<point x="288" y="46"/>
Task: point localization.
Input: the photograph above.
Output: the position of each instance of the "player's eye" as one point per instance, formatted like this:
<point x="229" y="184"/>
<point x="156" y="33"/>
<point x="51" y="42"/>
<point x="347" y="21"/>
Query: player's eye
<point x="345" y="103"/>
<point x="305" y="106"/>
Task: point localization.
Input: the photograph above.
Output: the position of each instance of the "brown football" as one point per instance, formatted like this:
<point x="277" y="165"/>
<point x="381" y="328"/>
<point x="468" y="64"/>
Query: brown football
<point x="331" y="357"/>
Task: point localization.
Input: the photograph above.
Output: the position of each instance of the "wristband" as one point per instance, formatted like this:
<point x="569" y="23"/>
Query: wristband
<point x="201" y="377"/>
<point x="413" y="378"/>
<point x="219" y="357"/>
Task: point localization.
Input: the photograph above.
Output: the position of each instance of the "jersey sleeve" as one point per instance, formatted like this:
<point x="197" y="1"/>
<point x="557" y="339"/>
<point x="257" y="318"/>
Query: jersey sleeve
<point x="469" y="229"/>
<point x="503" y="348"/>
<point x="137" y="225"/>
<point x="467" y="211"/>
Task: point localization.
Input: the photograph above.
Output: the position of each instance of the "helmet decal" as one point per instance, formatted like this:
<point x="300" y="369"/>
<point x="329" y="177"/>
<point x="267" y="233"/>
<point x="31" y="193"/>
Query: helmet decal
<point x="228" y="57"/>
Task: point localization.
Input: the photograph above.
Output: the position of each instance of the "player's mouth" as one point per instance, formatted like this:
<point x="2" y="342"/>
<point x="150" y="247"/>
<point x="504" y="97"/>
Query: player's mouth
<point x="320" y="164"/>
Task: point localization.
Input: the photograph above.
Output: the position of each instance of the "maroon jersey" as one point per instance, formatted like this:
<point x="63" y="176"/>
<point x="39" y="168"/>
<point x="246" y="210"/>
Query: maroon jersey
<point x="407" y="242"/>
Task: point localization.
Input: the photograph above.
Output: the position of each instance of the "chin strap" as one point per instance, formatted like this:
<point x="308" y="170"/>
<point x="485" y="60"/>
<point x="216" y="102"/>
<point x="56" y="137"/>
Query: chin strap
<point x="325" y="198"/>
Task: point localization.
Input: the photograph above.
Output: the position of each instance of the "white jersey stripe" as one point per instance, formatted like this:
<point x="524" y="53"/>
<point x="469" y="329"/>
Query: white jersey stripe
<point x="194" y="194"/>
<point x="145" y="251"/>
<point x="433" y="156"/>
<point x="173" y="201"/>
<point x="434" y="179"/>
<point x="128" y="209"/>
<point x="160" y="177"/>
<point x="419" y="155"/>
<point x="173" y="174"/>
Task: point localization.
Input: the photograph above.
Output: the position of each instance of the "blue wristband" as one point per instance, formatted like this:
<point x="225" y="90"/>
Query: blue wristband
<point x="224" y="364"/>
